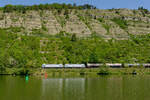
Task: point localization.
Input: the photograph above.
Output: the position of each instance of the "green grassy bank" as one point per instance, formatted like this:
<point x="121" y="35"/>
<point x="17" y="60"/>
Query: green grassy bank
<point x="97" y="71"/>
<point x="77" y="72"/>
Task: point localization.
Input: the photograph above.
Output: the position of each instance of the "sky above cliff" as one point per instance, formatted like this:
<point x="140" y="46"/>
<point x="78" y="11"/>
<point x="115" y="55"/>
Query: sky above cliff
<point x="102" y="4"/>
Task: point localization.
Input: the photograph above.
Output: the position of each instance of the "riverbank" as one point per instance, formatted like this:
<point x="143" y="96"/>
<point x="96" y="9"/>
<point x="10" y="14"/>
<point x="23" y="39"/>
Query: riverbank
<point x="97" y="71"/>
<point x="77" y="72"/>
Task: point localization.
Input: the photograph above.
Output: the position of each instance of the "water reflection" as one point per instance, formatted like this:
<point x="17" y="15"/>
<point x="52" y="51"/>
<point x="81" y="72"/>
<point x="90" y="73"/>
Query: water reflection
<point x="104" y="88"/>
<point x="58" y="88"/>
<point x="100" y="88"/>
<point x="52" y="88"/>
<point x="75" y="88"/>
<point x="16" y="88"/>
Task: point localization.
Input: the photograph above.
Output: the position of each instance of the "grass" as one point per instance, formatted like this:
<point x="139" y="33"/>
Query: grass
<point x="15" y="29"/>
<point x="122" y="23"/>
<point x="100" y="71"/>
<point x="61" y="20"/>
<point x="107" y="27"/>
<point x="14" y="19"/>
<point x="148" y="16"/>
<point x="71" y="72"/>
<point x="85" y="20"/>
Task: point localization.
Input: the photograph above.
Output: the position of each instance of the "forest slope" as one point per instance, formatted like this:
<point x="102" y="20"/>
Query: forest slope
<point x="29" y="38"/>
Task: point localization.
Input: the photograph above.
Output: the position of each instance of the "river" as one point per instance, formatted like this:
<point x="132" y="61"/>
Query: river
<point x="79" y="88"/>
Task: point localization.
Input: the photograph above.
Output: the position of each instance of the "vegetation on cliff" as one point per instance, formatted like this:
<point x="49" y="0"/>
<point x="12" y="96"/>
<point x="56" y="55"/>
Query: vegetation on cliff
<point x="29" y="38"/>
<point x="23" y="51"/>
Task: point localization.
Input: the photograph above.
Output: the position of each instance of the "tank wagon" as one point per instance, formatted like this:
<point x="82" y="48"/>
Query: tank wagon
<point x="97" y="65"/>
<point x="74" y="66"/>
<point x="52" y="66"/>
<point x="93" y="65"/>
<point x="116" y="65"/>
<point x="132" y="65"/>
<point x="146" y="65"/>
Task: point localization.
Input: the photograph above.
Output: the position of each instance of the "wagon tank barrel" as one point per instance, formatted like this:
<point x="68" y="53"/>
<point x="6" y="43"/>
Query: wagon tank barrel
<point x="97" y="65"/>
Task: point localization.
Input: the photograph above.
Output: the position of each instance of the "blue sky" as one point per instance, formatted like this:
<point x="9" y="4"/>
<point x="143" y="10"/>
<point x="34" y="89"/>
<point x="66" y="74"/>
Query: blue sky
<point x="102" y="4"/>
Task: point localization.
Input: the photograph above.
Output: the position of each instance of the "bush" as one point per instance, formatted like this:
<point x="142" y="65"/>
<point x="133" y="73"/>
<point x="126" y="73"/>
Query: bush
<point x="15" y="29"/>
<point x="101" y="20"/>
<point x="146" y="11"/>
<point x="104" y="71"/>
<point x="107" y="27"/>
<point x="44" y="27"/>
<point x="122" y="23"/>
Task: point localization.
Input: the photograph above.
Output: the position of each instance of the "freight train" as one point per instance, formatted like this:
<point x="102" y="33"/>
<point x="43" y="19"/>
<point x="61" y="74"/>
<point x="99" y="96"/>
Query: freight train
<point x="98" y="65"/>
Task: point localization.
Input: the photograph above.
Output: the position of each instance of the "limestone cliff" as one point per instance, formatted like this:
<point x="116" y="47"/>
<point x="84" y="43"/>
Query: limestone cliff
<point x="113" y="23"/>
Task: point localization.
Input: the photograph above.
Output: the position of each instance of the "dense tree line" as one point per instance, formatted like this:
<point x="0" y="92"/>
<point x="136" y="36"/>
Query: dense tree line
<point x="146" y="11"/>
<point x="28" y="51"/>
<point x="22" y="8"/>
<point x="143" y="11"/>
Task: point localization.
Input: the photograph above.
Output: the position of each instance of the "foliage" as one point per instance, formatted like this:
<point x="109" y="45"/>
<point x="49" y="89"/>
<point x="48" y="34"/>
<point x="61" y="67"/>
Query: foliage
<point x="44" y="27"/>
<point x="101" y="20"/>
<point x="122" y="23"/>
<point x="61" y="20"/>
<point x="85" y="20"/>
<point x="11" y="8"/>
<point x="32" y="51"/>
<point x="146" y="11"/>
<point x="143" y="11"/>
<point x="23" y="9"/>
<point x="107" y="27"/>
<point x="15" y="29"/>
<point x="104" y="71"/>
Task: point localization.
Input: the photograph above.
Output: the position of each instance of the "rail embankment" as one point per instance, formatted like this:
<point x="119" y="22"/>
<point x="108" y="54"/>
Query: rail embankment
<point x="56" y="72"/>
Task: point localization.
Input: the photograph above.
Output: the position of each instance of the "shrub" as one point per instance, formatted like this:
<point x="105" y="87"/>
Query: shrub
<point x="122" y="23"/>
<point x="104" y="71"/>
<point x="44" y="27"/>
<point x="107" y="27"/>
<point x="145" y="11"/>
<point x="101" y="20"/>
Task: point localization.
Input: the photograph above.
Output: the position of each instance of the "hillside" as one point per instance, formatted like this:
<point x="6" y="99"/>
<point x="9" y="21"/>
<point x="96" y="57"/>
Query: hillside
<point x="33" y="37"/>
<point x="111" y="23"/>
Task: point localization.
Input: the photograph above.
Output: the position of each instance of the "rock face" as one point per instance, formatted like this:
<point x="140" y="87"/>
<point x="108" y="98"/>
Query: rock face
<point x="80" y="22"/>
<point x="49" y="21"/>
<point x="74" y="25"/>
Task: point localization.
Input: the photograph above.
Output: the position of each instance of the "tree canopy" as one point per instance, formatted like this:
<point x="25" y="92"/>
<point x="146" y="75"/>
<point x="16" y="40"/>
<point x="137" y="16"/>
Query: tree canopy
<point x="22" y="8"/>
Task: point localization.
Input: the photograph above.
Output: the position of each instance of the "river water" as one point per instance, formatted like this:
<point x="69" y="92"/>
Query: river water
<point x="81" y="88"/>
